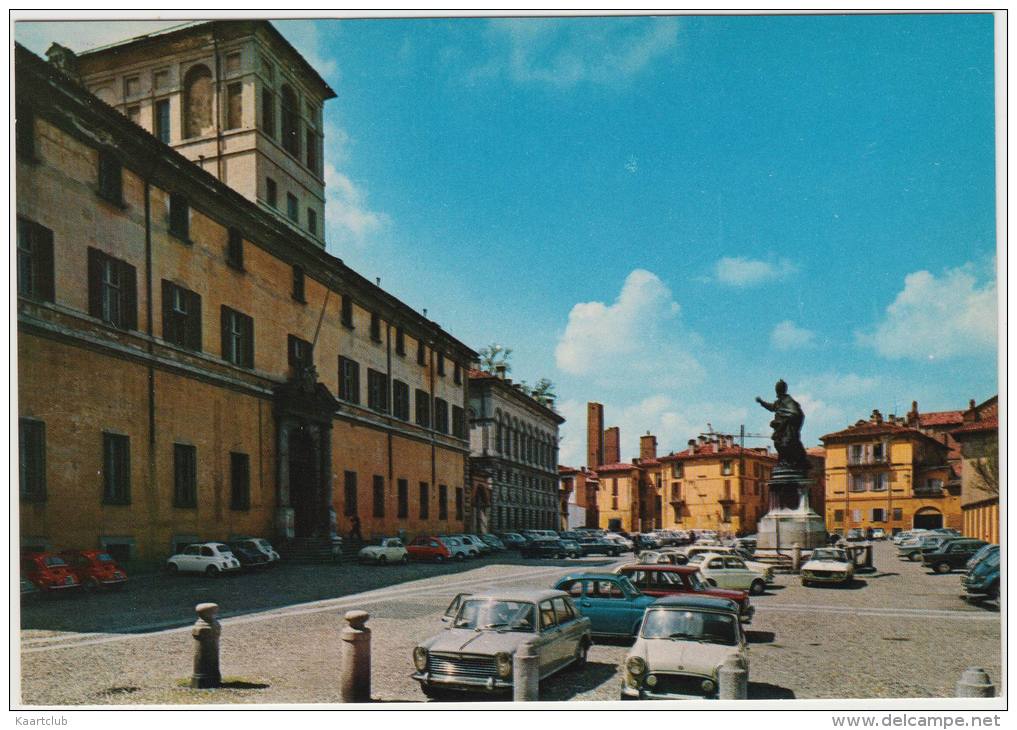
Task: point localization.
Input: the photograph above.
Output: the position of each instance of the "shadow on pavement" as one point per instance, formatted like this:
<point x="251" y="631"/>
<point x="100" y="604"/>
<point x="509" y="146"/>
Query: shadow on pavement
<point x="576" y="681"/>
<point x="759" y="637"/>
<point x="763" y="691"/>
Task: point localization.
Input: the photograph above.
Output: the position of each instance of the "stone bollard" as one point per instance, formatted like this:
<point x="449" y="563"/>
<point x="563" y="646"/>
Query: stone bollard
<point x="206" y="649"/>
<point x="733" y="679"/>
<point x="525" y="675"/>
<point x="796" y="558"/>
<point x="868" y="565"/>
<point x="355" y="666"/>
<point x="975" y="682"/>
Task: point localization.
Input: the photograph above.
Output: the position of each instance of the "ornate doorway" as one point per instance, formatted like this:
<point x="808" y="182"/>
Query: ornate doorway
<point x="305" y="494"/>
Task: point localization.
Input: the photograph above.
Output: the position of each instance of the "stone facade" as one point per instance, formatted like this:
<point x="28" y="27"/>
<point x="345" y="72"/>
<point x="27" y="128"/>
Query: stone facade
<point x="514" y="440"/>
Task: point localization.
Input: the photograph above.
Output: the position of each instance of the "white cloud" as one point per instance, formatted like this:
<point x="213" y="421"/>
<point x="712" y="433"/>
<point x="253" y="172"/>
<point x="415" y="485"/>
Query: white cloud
<point x="938" y="317"/>
<point x="743" y="271"/>
<point x="789" y="336"/>
<point x="347" y="215"/>
<point x="637" y="339"/>
<point x="566" y="52"/>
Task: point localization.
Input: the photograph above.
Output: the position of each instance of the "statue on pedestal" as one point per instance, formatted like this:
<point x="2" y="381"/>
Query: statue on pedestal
<point x="787" y="431"/>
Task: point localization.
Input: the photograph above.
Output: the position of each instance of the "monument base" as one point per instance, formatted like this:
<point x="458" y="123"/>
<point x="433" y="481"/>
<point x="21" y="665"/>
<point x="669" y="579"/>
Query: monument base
<point x="781" y="528"/>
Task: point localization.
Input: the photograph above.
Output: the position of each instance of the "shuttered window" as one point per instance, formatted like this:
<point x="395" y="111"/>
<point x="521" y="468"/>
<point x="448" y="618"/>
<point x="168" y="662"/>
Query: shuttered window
<point x="442" y="502"/>
<point x="35" y="261"/>
<point x="400" y="400"/>
<point x="181" y="316"/>
<point x="458" y="422"/>
<point x="237" y="337"/>
<point x="240" y="481"/>
<point x="403" y="496"/>
<point x="424" y="501"/>
<point x="349" y="380"/>
<point x="300" y="353"/>
<point x="112" y="290"/>
<point x="180" y="217"/>
<point x="235" y="250"/>
<point x="185" y="475"/>
<point x="111" y="178"/>
<point x="377" y="391"/>
<point x="440" y="415"/>
<point x="116" y="473"/>
<point x="350" y="493"/>
<point x="32" y="460"/>
<point x="423" y="409"/>
<point x="379" y="496"/>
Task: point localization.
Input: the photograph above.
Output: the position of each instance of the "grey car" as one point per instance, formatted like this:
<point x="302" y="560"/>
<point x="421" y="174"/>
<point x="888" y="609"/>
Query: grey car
<point x="475" y="653"/>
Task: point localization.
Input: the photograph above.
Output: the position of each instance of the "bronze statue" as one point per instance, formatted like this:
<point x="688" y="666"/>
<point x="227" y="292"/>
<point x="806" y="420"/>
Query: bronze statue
<point x="787" y="430"/>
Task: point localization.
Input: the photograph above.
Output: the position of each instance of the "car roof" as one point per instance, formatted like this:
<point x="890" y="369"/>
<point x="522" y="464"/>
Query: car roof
<point x="591" y="576"/>
<point x="518" y="594"/>
<point x="689" y="601"/>
<point x="661" y="567"/>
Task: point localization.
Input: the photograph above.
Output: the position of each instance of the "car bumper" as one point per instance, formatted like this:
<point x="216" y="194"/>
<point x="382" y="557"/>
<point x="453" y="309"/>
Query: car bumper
<point x="463" y="684"/>
<point x="837" y="578"/>
<point x="61" y="587"/>
<point x="746" y="616"/>
<point x="112" y="581"/>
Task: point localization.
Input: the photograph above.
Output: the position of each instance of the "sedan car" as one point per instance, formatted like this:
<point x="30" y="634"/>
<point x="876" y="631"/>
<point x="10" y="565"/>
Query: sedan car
<point x="544" y="548"/>
<point x="387" y="550"/>
<point x="878" y="533"/>
<point x="493" y="542"/>
<point x="210" y="558"/>
<point x="476" y="652"/>
<point x="614" y="606"/>
<point x="693" y="551"/>
<point x="952" y="554"/>
<point x="981" y="583"/>
<point x="913" y="549"/>
<point x="729" y="571"/>
<point x="670" y="580"/>
<point x="425" y="547"/>
<point x="512" y="540"/>
<point x="95" y="569"/>
<point x="828" y="565"/>
<point x="599" y="546"/>
<point x="855" y="534"/>
<point x="683" y="642"/>
<point x="48" y="572"/>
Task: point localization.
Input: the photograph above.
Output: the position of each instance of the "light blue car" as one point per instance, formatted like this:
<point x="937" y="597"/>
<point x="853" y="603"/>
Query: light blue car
<point x="614" y="606"/>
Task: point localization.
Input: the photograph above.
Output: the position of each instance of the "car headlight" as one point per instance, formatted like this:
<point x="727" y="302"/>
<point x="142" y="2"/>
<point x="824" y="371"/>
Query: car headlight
<point x="806" y="573"/>
<point x="708" y="685"/>
<point x="651" y="680"/>
<point x="503" y="661"/>
<point x="635" y="665"/>
<point x="420" y="658"/>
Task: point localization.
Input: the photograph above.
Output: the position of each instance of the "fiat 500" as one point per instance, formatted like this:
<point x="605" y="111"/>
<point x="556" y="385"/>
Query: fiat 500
<point x="95" y="569"/>
<point x="475" y="653"/>
<point x="388" y="550"/>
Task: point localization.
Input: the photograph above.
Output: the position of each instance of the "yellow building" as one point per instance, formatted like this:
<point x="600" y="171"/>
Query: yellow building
<point x="979" y="441"/>
<point x="716" y="485"/>
<point x="883" y="473"/>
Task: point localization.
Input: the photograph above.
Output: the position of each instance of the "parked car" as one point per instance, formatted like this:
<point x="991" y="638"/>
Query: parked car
<point x="905" y="535"/>
<point x="512" y="540"/>
<point x="572" y="548"/>
<point x="210" y="558"/>
<point x="460" y="550"/>
<point x="531" y="535"/>
<point x="625" y="543"/>
<point x="681" y="646"/>
<point x="387" y="550"/>
<point x="878" y="533"/>
<point x="913" y="549"/>
<point x="980" y="555"/>
<point x="425" y="547"/>
<point x="981" y="583"/>
<point x="48" y="572"/>
<point x="28" y="589"/>
<point x="95" y="569"/>
<point x="250" y="559"/>
<point x="599" y="546"/>
<point x="493" y="542"/>
<point x="260" y="544"/>
<point x="855" y="534"/>
<point x="952" y="554"/>
<point x="614" y="606"/>
<point x="476" y="652"/>
<point x="730" y="571"/>
<point x="647" y="541"/>
<point x="692" y="551"/>
<point x="670" y="580"/>
<point x="543" y="548"/>
<point x="828" y="565"/>
<point x="474" y="544"/>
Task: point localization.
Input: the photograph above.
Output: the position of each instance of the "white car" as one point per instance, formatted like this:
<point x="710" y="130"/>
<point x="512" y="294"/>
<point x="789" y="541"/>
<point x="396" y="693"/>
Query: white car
<point x="682" y="643"/>
<point x="458" y="550"/>
<point x="261" y="545"/>
<point x="729" y="571"/>
<point x="210" y="558"/>
<point x="389" y="550"/>
<point x="694" y="550"/>
<point x="619" y="540"/>
<point x="828" y="565"/>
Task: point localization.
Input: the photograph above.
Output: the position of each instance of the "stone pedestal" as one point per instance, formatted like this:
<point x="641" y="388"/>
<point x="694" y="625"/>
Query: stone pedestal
<point x="790" y="519"/>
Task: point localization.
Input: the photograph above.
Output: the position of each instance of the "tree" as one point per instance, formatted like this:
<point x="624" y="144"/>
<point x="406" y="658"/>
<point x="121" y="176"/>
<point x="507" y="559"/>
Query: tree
<point x="986" y="468"/>
<point x="544" y="389"/>
<point x="494" y="355"/>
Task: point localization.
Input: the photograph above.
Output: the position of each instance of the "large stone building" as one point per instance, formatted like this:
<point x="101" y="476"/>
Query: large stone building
<point x="190" y="365"/>
<point x="514" y="442"/>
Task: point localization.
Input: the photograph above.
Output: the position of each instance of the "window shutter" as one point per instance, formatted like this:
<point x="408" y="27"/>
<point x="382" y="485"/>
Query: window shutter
<point x="248" y="344"/>
<point x="194" y="320"/>
<point x="95" y="258"/>
<point x="42" y="249"/>
<point x="129" y="275"/>
<point x="224" y="328"/>
<point x="169" y="330"/>
<point x="291" y="350"/>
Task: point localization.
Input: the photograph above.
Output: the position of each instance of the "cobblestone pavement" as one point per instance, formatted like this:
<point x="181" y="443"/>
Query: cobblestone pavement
<point x="899" y="632"/>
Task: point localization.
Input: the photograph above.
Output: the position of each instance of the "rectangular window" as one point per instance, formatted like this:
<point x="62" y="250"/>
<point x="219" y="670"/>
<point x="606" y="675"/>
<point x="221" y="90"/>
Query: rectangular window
<point x="838" y="516"/>
<point x="312" y="221"/>
<point x="300" y="352"/>
<point x="292" y="211"/>
<point x="346" y="311"/>
<point x="234" y="106"/>
<point x="111" y="178"/>
<point x="377" y="391"/>
<point x="424" y="501"/>
<point x="459" y="503"/>
<point x="726" y="467"/>
<point x="180" y="217"/>
<point x="898" y="514"/>
<point x="298" y="284"/>
<point x="423" y="408"/>
<point x="878" y="515"/>
<point x="233" y="62"/>
<point x="24" y="121"/>
<point x="237" y="337"/>
<point x="35" y="261"/>
<point x="400" y="400"/>
<point x="458" y="422"/>
<point x="375" y="327"/>
<point x="856" y="516"/>
<point x="185" y="475"/>
<point x="116" y="475"/>
<point x="441" y="364"/>
<point x="881" y="481"/>
<point x="457" y="374"/>
<point x="403" y="496"/>
<point x="161" y="79"/>
<point x="181" y="316"/>
<point x="442" y="502"/>
<point x="162" y="120"/>
<point x="132" y="86"/>
<point x="312" y="150"/>
<point x="379" y="496"/>
<point x="440" y="415"/>
<point x="235" y="250"/>
<point x="271" y="192"/>
<point x="268" y="113"/>
<point x="32" y="460"/>
<point x="349" y="380"/>
<point x="112" y="290"/>
<point x="240" y="481"/>
<point x="421" y="353"/>
<point x="349" y="493"/>
<point x="676" y="470"/>
<point x="400" y="345"/>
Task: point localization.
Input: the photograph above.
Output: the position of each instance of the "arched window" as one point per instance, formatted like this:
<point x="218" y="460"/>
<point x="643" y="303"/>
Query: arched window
<point x="290" y="121"/>
<point x="197" y="101"/>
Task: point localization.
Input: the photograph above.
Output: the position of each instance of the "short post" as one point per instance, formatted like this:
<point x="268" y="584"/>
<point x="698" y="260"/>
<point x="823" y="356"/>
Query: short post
<point x="796" y="557"/>
<point x="525" y="675"/>
<point x="975" y="682"/>
<point x="206" y="648"/>
<point x="733" y="679"/>
<point x="868" y="557"/>
<point x="355" y="665"/>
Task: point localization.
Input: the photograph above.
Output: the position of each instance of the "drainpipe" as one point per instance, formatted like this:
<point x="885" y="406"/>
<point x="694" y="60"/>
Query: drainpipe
<point x="218" y="104"/>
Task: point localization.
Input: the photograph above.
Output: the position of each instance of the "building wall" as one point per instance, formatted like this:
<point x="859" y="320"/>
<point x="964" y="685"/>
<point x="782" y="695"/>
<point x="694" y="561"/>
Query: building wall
<point x="701" y="485"/>
<point x="982" y="521"/>
<point x="618" y="499"/>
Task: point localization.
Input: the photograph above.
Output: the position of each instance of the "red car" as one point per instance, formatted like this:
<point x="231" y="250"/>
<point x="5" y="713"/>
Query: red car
<point x="95" y="569"/>
<point x="428" y="548"/>
<point x="48" y="572"/>
<point x="668" y="580"/>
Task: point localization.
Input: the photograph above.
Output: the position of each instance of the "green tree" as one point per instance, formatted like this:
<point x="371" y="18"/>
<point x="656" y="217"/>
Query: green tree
<point x="494" y="355"/>
<point x="544" y="389"/>
<point x="986" y="468"/>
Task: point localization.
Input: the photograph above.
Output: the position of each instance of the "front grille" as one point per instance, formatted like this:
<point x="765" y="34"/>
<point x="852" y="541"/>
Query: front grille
<point x="821" y="573"/>
<point x="679" y="684"/>
<point x="454" y="665"/>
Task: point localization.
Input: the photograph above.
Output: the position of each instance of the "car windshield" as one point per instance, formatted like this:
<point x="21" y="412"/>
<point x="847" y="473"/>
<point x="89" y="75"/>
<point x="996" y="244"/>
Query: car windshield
<point x="684" y="625"/>
<point x="54" y="561"/>
<point x="838" y="556"/>
<point x="494" y="615"/>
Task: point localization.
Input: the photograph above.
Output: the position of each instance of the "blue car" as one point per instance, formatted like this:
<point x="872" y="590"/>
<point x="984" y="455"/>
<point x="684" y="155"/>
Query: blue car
<point x="614" y="606"/>
<point x="982" y="581"/>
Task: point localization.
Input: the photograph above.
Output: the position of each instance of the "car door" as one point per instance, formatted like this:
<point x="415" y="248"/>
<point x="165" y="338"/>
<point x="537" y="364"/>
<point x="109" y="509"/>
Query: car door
<point x="740" y="575"/>
<point x="206" y="557"/>
<point x="571" y="630"/>
<point x="191" y="559"/>
<point x="714" y="570"/>
<point x="548" y="646"/>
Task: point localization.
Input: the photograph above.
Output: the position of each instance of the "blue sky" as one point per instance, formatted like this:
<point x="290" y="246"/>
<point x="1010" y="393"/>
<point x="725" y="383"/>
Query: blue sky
<point x="667" y="214"/>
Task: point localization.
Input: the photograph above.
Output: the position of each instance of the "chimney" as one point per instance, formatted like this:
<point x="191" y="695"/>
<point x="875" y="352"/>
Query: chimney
<point x="702" y="440"/>
<point x="692" y="446"/>
<point x="876" y="417"/>
<point x="612" y="445"/>
<point x="647" y="447"/>
<point x="913" y="413"/>
<point x="64" y="59"/>
<point x="500" y="371"/>
<point x="971" y="404"/>
<point x="594" y="435"/>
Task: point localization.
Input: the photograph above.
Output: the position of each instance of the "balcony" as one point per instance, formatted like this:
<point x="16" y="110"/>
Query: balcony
<point x="867" y="459"/>
<point x="928" y="491"/>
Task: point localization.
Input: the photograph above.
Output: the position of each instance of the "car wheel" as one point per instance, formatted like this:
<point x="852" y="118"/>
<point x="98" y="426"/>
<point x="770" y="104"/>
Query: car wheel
<point x="913" y="557"/>
<point x="212" y="571"/>
<point x="172" y="568"/>
<point x="942" y="568"/>
<point x="757" y="588"/>
<point x="439" y="558"/>
<point x="382" y="560"/>
<point x="91" y="585"/>
<point x="805" y="583"/>
<point x="459" y="557"/>
<point x="405" y="559"/>
<point x="993" y="593"/>
<point x="581" y="655"/>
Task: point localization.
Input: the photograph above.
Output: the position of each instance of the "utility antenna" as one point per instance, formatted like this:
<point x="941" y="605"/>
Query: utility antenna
<point x="321" y="316"/>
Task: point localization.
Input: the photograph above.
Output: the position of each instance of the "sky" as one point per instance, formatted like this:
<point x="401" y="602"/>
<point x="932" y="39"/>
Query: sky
<point x="667" y="214"/>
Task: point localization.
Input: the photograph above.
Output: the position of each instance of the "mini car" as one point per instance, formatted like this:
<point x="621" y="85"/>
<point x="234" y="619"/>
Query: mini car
<point x="210" y="558"/>
<point x="261" y="544"/>
<point x="388" y="550"/>
<point x="682" y="643"/>
<point x="95" y="569"/>
<point x="481" y="547"/>
<point x="828" y="565"/>
<point x="429" y="548"/>
<point x="249" y="557"/>
<point x="458" y="549"/>
<point x="878" y="533"/>
<point x="730" y="571"/>
<point x="614" y="606"/>
<point x="48" y="572"/>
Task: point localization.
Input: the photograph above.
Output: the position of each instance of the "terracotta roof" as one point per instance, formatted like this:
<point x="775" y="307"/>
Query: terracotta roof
<point x="816" y="451"/>
<point x="619" y="466"/>
<point x="864" y="429"/>
<point x="986" y="424"/>
<point x="940" y="418"/>
<point x="710" y="450"/>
